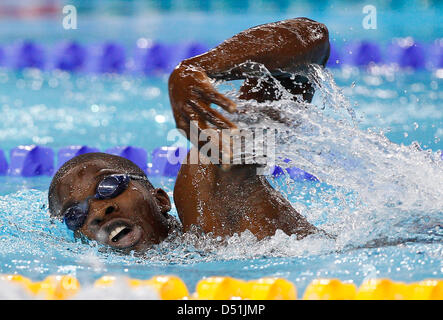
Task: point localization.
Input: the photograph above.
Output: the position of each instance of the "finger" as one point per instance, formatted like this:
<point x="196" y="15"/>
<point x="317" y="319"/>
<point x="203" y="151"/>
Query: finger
<point x="220" y="100"/>
<point x="211" y="95"/>
<point x="211" y="115"/>
<point x="194" y="120"/>
<point x="188" y="115"/>
<point x="224" y="149"/>
<point x="202" y="125"/>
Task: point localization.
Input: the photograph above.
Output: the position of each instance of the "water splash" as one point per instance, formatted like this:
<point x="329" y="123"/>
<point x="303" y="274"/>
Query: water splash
<point x="379" y="187"/>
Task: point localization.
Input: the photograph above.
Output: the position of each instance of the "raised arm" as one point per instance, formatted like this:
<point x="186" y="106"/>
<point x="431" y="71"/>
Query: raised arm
<point x="282" y="47"/>
<point x="225" y="202"/>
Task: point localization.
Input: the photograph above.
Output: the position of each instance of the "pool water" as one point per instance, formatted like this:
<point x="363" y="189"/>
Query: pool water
<point x="405" y="245"/>
<point x="383" y="201"/>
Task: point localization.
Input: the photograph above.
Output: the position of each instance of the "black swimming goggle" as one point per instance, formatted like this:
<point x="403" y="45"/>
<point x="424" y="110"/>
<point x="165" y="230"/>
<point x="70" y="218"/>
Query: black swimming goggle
<point x="110" y="187"/>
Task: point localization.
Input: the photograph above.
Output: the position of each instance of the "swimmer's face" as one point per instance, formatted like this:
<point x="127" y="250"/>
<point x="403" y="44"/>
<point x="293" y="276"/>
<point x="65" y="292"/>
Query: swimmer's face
<point x="134" y="220"/>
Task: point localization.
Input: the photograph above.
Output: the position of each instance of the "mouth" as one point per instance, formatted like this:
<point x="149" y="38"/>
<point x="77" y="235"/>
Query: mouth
<point x="121" y="234"/>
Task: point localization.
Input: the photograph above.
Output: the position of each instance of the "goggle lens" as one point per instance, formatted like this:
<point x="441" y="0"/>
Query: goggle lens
<point x="110" y="187"/>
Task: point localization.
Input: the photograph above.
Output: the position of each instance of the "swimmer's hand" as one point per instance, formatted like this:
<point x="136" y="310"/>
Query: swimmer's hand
<point x="191" y="94"/>
<point x="281" y="47"/>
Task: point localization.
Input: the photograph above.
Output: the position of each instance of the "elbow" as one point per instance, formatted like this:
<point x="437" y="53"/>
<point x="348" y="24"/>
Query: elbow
<point x="318" y="35"/>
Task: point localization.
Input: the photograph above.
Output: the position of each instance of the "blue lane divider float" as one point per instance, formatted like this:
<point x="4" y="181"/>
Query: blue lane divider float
<point x="166" y="161"/>
<point x="406" y="53"/>
<point x="29" y="161"/>
<point x="152" y="58"/>
<point x="3" y="163"/>
<point x="28" y="55"/>
<point x="70" y="56"/>
<point x="109" y="57"/>
<point x="69" y="152"/>
<point x="362" y="54"/>
<point x="435" y="59"/>
<point x="113" y="58"/>
<point x="293" y="172"/>
<point x="2" y="56"/>
<point x="159" y="58"/>
<point x="137" y="155"/>
<point x="410" y="55"/>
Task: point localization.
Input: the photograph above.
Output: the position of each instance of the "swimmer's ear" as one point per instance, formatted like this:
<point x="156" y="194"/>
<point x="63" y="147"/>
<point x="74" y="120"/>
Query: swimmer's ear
<point x="162" y="200"/>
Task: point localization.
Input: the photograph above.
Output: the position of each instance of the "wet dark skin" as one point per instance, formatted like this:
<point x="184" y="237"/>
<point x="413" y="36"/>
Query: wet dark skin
<point x="215" y="199"/>
<point x="227" y="201"/>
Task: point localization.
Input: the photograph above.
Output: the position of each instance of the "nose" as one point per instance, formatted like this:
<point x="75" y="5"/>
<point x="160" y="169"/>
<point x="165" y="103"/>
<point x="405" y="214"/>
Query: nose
<point x="100" y="210"/>
<point x="109" y="210"/>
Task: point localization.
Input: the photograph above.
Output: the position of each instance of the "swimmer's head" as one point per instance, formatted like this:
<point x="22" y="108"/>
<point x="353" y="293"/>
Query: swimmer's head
<point x="109" y="199"/>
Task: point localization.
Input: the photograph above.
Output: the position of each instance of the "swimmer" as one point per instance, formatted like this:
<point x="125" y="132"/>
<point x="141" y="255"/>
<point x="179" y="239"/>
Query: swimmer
<point x="109" y="199"/>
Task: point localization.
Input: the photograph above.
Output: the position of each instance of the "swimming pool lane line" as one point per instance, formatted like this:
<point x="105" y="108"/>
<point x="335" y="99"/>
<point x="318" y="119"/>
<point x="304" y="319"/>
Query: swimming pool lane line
<point x="169" y="287"/>
<point x="154" y="58"/>
<point x="33" y="160"/>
